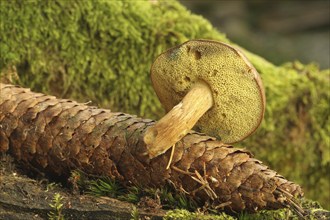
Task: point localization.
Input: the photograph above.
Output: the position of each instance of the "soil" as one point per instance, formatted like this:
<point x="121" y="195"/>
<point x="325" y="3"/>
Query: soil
<point x="22" y="197"/>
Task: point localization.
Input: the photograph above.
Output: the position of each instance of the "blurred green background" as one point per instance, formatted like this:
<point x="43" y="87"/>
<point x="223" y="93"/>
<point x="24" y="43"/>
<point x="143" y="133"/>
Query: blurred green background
<point x="277" y="30"/>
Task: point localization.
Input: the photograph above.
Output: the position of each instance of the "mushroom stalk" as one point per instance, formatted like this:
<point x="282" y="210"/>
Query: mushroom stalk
<point x="180" y="120"/>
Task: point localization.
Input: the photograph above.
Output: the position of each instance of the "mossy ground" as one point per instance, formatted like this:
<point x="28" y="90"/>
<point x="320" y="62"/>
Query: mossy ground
<point x="101" y="51"/>
<point x="76" y="199"/>
<point x="179" y="206"/>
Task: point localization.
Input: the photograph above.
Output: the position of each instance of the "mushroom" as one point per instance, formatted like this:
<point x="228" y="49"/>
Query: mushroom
<point x="208" y="84"/>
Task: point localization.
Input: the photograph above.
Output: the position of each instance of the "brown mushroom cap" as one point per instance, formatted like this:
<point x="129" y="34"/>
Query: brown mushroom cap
<point x="238" y="95"/>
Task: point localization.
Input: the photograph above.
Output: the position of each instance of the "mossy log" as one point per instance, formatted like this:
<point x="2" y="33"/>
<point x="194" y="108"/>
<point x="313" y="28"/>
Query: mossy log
<point x="97" y="50"/>
<point x="57" y="136"/>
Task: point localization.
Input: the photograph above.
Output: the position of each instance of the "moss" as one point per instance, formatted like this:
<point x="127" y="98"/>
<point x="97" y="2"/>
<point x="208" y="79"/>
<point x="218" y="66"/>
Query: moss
<point x="182" y="214"/>
<point x="102" y="51"/>
<point x="313" y="211"/>
<point x="179" y="206"/>
<point x="99" y="51"/>
<point x="57" y="205"/>
<point x="294" y="135"/>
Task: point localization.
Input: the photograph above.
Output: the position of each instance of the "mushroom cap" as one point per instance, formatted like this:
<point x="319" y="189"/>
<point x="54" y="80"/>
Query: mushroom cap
<point x="238" y="95"/>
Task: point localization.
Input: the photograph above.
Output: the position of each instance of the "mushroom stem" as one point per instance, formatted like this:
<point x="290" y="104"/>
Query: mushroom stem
<point x="180" y="120"/>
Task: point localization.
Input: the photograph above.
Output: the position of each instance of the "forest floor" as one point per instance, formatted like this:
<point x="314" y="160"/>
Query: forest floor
<point x="33" y="196"/>
<point x="22" y="197"/>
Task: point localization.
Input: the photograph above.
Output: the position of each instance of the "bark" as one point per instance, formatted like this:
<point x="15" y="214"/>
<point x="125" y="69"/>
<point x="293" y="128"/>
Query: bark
<point x="57" y="136"/>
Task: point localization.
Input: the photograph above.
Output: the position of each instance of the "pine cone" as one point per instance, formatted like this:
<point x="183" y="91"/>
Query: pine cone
<point x="58" y="135"/>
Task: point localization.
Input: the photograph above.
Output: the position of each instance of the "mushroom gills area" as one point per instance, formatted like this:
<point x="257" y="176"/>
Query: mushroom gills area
<point x="238" y="105"/>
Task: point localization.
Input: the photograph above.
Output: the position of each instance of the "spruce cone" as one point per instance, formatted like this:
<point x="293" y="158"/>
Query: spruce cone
<point x="58" y="135"/>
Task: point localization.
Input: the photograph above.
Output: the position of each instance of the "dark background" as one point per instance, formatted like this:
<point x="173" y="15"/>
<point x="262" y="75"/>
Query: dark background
<point x="279" y="31"/>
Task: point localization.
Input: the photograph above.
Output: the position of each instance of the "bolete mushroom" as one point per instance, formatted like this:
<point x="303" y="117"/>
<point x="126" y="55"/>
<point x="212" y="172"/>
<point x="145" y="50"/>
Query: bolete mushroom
<point x="207" y="82"/>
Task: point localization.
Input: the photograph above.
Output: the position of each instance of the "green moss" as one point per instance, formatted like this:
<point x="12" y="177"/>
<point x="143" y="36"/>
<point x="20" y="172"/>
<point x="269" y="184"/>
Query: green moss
<point x="182" y="214"/>
<point x="167" y="197"/>
<point x="180" y="206"/>
<point x="99" y="50"/>
<point x="294" y="137"/>
<point x="102" y="51"/>
<point x="57" y="205"/>
<point x="313" y="211"/>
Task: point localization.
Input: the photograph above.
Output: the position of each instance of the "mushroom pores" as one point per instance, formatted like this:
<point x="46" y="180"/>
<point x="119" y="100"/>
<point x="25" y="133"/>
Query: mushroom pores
<point x="238" y="95"/>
